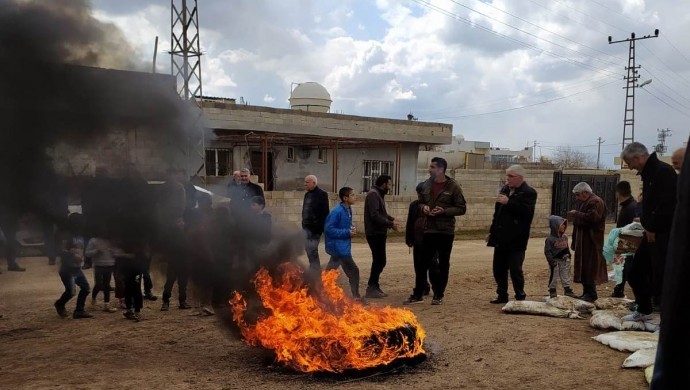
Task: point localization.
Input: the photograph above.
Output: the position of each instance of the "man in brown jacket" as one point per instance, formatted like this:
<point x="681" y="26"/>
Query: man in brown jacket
<point x="589" y="223"/>
<point x="441" y="201"/>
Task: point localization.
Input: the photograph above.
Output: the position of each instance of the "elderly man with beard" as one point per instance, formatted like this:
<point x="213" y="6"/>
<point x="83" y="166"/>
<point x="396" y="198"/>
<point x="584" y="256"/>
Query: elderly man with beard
<point x="589" y="223"/>
<point x="509" y="232"/>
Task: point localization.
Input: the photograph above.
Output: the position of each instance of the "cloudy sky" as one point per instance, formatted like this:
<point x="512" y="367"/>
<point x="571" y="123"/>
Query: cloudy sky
<point x="507" y="72"/>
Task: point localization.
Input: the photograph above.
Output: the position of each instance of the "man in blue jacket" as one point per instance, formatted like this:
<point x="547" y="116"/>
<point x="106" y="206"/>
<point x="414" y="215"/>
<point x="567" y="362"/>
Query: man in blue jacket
<point x="339" y="231"/>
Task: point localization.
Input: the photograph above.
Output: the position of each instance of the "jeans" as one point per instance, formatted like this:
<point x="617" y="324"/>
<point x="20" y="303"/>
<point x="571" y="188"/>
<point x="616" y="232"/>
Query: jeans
<point x="377" y="244"/>
<point x="509" y="260"/>
<point x="70" y="277"/>
<point x="177" y="271"/>
<point x="441" y="244"/>
<point x="350" y="269"/>
<point x="102" y="276"/>
<point x="311" y="246"/>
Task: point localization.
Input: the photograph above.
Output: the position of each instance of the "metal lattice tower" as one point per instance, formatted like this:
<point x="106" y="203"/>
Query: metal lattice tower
<point x="185" y="56"/>
<point x="630" y="86"/>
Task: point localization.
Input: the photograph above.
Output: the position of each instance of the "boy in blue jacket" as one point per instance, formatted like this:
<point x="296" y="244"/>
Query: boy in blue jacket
<point x="339" y="231"/>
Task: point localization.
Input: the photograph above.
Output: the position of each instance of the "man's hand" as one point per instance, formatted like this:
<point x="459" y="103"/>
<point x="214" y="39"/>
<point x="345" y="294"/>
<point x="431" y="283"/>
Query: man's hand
<point x="425" y="209"/>
<point x="571" y="213"/>
<point x="437" y="211"/>
<point x="488" y="236"/>
<point x="502" y="199"/>
<point x="651" y="236"/>
<point x="396" y="226"/>
<point x="353" y="231"/>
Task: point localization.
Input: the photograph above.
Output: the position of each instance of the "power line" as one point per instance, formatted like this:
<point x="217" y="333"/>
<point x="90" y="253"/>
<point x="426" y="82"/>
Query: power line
<point x="663" y="101"/>
<point x="517" y="41"/>
<point x="528" y="105"/>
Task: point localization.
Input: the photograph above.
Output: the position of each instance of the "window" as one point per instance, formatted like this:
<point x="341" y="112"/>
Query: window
<point x="372" y="170"/>
<point x="217" y="162"/>
<point x="323" y="155"/>
<point x="290" y="153"/>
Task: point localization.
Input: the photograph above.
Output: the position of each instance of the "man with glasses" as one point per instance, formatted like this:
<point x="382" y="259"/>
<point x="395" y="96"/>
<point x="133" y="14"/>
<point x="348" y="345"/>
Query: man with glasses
<point x="509" y="233"/>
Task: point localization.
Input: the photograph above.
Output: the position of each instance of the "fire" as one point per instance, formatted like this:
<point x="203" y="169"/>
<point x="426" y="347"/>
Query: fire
<point x="325" y="331"/>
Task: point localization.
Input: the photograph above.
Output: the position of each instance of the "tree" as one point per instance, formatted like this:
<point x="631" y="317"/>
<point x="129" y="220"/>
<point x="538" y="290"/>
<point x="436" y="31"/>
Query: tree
<point x="566" y="157"/>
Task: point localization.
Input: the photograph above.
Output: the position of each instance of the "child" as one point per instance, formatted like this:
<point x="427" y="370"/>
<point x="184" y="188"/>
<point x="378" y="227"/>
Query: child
<point x="70" y="269"/>
<point x="414" y="237"/>
<point x="339" y="231"/>
<point x="100" y="250"/>
<point x="557" y="254"/>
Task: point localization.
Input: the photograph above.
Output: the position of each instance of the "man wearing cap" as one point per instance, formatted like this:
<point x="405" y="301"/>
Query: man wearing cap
<point x="589" y="223"/>
<point x="509" y="232"/>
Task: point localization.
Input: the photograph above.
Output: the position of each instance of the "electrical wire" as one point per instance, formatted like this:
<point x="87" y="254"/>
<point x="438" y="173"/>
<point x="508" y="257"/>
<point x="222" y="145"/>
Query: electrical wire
<point x="663" y="101"/>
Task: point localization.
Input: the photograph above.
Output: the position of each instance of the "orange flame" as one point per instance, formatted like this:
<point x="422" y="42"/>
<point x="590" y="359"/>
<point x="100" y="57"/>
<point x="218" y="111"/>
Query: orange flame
<point x="326" y="331"/>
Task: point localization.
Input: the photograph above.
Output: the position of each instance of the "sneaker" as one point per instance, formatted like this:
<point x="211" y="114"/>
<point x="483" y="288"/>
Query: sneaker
<point x="165" y="307"/>
<point x="520" y="297"/>
<point x="207" y="311"/>
<point x="413" y="299"/>
<point x="61" y="310"/>
<point x="552" y="293"/>
<point x="121" y="303"/>
<point x="437" y="301"/>
<point x="150" y="297"/>
<point x="109" y="309"/>
<point x="636" y="316"/>
<point x="184" y="306"/>
<point x="136" y="317"/>
<point x="129" y="315"/>
<point x="15" y="268"/>
<point x="374" y="293"/>
<point x="499" y="300"/>
<point x="81" y="314"/>
<point x="381" y="292"/>
<point x="568" y="292"/>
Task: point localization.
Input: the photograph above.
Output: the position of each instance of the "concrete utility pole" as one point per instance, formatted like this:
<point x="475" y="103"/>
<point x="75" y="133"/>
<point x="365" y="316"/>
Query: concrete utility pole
<point x="534" y="152"/>
<point x="599" y="141"/>
<point x="631" y="84"/>
<point x="661" y="146"/>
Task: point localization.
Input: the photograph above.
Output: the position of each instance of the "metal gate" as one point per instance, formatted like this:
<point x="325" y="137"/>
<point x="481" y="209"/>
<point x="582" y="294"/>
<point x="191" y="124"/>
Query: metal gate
<point x="372" y="170"/>
<point x="604" y="186"/>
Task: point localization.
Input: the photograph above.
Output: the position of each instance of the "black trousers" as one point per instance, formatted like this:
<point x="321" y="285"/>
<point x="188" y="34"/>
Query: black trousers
<point x="132" y="273"/>
<point x="441" y="244"/>
<point x="509" y="261"/>
<point x="146" y="275"/>
<point x="377" y="244"/>
<point x="423" y="271"/>
<point x="102" y="276"/>
<point x="177" y="272"/>
<point x="646" y="274"/>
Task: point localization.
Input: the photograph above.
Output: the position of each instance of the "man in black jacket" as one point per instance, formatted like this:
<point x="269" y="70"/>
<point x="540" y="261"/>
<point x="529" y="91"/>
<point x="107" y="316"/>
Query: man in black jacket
<point x="659" y="183"/>
<point x="242" y="194"/>
<point x="315" y="209"/>
<point x="509" y="232"/>
<point x="376" y="225"/>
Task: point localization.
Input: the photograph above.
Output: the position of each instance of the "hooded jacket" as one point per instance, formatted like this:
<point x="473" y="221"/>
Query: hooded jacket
<point x="556" y="245"/>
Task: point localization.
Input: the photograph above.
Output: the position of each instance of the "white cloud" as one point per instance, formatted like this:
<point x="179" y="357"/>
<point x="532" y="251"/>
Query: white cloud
<point x="269" y="99"/>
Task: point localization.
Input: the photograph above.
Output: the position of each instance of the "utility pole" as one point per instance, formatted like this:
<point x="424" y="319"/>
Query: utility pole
<point x="185" y="58"/>
<point x="534" y="152"/>
<point x="631" y="84"/>
<point x="661" y="146"/>
<point x="599" y="142"/>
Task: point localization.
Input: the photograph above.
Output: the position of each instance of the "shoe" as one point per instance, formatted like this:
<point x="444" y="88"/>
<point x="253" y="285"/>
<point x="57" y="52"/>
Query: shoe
<point x="61" y="310"/>
<point x="437" y="301"/>
<point x="520" y="297"/>
<point x="413" y="300"/>
<point x="207" y="311"/>
<point x="499" y="300"/>
<point x="184" y="306"/>
<point x="568" y="292"/>
<point x="15" y="268"/>
<point x="588" y="298"/>
<point x="552" y="293"/>
<point x="165" y="306"/>
<point x="361" y="300"/>
<point x="374" y="293"/>
<point x="636" y="316"/>
<point x="150" y="297"/>
<point x="121" y="303"/>
<point x="618" y="292"/>
<point x="109" y="309"/>
<point x="137" y="316"/>
<point x="129" y="315"/>
<point x="81" y="314"/>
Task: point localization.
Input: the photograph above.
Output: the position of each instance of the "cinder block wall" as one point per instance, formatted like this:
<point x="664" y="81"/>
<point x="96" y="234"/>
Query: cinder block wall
<point x="480" y="188"/>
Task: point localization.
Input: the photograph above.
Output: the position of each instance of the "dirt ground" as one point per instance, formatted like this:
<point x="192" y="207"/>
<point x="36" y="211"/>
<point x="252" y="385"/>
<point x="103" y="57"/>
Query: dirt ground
<point x="472" y="344"/>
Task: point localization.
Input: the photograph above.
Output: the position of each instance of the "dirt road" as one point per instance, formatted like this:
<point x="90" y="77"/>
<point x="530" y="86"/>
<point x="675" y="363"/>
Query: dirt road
<point x="472" y="344"/>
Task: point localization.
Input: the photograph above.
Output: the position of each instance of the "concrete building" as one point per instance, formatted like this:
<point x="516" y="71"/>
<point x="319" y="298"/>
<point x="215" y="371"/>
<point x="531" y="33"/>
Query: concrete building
<point x="282" y="146"/>
<point x="491" y="154"/>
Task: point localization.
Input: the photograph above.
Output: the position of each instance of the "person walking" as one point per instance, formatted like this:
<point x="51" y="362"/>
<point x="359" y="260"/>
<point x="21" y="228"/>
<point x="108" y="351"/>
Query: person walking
<point x="376" y="225"/>
<point x="339" y="231"/>
<point x="314" y="212"/>
<point x="509" y="233"/>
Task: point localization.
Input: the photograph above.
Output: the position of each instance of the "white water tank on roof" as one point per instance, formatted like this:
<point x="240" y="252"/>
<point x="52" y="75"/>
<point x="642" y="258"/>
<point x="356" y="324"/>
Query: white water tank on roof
<point x="310" y="96"/>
